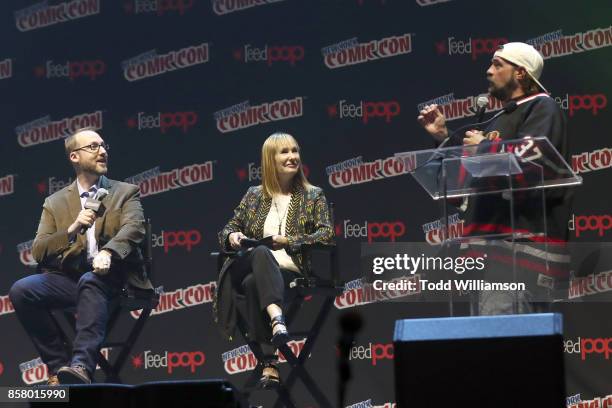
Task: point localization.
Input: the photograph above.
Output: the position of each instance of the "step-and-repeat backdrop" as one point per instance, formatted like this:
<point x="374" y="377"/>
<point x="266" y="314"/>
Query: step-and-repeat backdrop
<point x="186" y="91"/>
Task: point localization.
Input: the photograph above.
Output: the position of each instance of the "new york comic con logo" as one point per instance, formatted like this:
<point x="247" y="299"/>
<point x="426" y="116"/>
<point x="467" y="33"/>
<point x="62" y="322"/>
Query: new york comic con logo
<point x="45" y="130"/>
<point x="6" y="307"/>
<point x="359" y="293"/>
<point x="35" y="371"/>
<point x="459" y="108"/>
<point x="182" y="298"/>
<point x="586" y="162"/>
<point x="72" y="70"/>
<point x="270" y="54"/>
<point x="576" y="401"/>
<point x="159" y="7"/>
<point x="365" y="110"/>
<point x="42" y="14"/>
<point x="153" y="181"/>
<point x="352" y="52"/>
<point x="243" y="115"/>
<point x="7" y="185"/>
<point x="556" y="44"/>
<point x="368" y="403"/>
<point x="6" y="68"/>
<point x="150" y="63"/>
<point x="436" y="233"/>
<point x="242" y="359"/>
<point x="25" y="253"/>
<point x="223" y="7"/>
<point x="355" y="171"/>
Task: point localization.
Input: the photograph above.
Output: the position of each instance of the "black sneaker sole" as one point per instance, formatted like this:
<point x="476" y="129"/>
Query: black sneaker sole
<point x="68" y="377"/>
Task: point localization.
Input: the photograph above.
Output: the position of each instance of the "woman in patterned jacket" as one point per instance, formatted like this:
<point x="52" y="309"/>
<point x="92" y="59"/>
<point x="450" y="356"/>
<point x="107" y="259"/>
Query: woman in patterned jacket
<point x="291" y="212"/>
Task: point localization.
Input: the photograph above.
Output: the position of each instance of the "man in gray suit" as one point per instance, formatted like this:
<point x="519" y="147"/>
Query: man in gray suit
<point x="85" y="271"/>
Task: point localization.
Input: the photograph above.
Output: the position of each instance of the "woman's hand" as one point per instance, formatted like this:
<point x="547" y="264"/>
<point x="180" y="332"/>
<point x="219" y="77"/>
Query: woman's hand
<point x="234" y="239"/>
<point x="279" y="242"/>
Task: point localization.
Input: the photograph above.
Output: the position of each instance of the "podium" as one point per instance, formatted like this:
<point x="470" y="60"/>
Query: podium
<point x="497" y="180"/>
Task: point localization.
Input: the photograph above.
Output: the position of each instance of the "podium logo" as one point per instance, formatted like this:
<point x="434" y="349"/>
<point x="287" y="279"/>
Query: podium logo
<point x="599" y="223"/>
<point x="270" y="54"/>
<point x="472" y="46"/>
<point x="159" y="7"/>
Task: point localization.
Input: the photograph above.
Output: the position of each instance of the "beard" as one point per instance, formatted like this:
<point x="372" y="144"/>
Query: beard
<point x="504" y="92"/>
<point x="99" y="169"/>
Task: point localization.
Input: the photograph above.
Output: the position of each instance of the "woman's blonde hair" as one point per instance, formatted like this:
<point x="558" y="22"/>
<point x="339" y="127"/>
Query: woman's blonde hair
<point x="269" y="180"/>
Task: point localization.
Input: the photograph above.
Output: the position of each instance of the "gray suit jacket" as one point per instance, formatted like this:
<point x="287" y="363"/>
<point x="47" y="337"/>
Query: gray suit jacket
<point x="120" y="229"/>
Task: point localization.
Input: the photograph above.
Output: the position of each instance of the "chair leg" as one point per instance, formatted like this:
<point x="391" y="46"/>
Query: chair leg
<point x="297" y="363"/>
<point x="129" y="344"/>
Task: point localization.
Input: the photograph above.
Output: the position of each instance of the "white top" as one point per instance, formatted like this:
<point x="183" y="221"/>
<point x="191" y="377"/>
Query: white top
<point x="278" y="216"/>
<point x="92" y="243"/>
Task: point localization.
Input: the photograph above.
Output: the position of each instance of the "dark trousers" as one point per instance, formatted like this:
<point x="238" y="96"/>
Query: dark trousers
<point x="257" y="277"/>
<point x="35" y="295"/>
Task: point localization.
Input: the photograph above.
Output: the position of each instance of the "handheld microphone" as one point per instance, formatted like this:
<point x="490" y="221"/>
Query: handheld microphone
<point x="94" y="203"/>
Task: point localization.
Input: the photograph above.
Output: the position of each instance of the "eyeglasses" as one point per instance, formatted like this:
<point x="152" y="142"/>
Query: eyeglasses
<point x="94" y="147"/>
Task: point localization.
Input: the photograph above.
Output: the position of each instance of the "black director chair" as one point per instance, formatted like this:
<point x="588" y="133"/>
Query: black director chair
<point x="130" y="299"/>
<point x="320" y="278"/>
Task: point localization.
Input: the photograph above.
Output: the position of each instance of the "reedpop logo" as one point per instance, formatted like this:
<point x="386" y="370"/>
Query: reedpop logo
<point x="171" y="239"/>
<point x="389" y="231"/>
<point x="253" y="172"/>
<point x="472" y="46"/>
<point x="365" y="110"/>
<point x="164" y="121"/>
<point x="169" y="360"/>
<point x="159" y="7"/>
<point x="270" y="54"/>
<point x="71" y="69"/>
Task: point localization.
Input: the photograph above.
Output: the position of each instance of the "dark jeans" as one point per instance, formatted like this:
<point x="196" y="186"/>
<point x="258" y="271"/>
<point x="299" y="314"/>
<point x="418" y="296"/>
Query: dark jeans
<point x="35" y="295"/>
<point x="257" y="277"/>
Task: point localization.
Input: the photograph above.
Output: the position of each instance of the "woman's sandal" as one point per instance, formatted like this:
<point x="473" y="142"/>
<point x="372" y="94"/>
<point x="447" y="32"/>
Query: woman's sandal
<point x="271" y="379"/>
<point x="282" y="335"/>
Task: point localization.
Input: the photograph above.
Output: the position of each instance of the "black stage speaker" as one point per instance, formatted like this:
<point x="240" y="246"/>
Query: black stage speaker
<point x="484" y="361"/>
<point x="166" y="394"/>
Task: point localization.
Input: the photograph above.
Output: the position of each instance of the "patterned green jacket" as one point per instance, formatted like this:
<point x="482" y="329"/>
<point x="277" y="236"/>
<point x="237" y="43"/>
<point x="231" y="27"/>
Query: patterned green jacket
<point x="308" y="219"/>
<point x="308" y="222"/>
